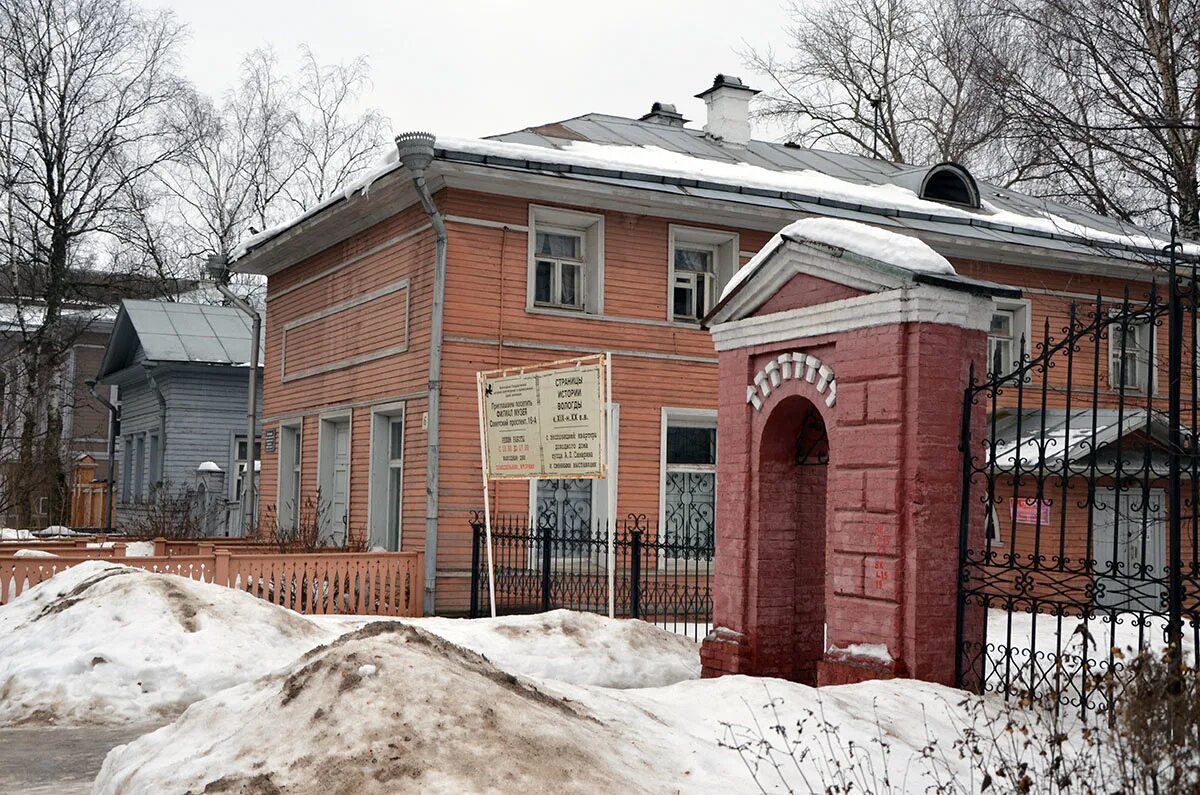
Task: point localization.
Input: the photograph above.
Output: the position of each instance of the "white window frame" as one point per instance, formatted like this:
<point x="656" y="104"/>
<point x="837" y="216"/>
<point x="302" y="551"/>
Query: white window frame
<point x="239" y="465"/>
<point x="127" y="468"/>
<point x="680" y="417"/>
<point x="154" y="454"/>
<point x="326" y="425"/>
<point x="1022" y="325"/>
<point x="726" y="261"/>
<point x="1114" y="352"/>
<point x="290" y="464"/>
<point x="590" y="228"/>
<point x="581" y="291"/>
<point x="380" y="477"/>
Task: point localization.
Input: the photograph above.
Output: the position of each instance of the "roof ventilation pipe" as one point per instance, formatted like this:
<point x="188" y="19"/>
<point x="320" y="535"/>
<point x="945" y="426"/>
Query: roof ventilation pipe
<point x="415" y="151"/>
<point x="664" y="113"/>
<point x="728" y="103"/>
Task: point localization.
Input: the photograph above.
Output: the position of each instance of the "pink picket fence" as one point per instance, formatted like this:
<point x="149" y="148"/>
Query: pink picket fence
<point x="342" y="583"/>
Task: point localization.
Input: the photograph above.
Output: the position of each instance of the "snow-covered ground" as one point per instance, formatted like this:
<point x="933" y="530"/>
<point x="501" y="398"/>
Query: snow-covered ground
<point x="567" y="701"/>
<point x="105" y="643"/>
<point x="392" y="707"/>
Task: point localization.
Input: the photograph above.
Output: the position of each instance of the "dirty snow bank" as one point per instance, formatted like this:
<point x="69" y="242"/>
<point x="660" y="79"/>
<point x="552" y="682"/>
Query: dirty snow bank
<point x="389" y="708"/>
<point x="105" y="643"/>
<point x="579" y="648"/>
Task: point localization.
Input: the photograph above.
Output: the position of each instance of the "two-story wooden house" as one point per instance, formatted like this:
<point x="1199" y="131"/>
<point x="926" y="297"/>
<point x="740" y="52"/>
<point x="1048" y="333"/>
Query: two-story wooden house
<point x="593" y="234"/>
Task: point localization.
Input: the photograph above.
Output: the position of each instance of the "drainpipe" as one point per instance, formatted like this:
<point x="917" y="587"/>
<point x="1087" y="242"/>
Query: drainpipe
<point x="415" y="151"/>
<point x="114" y="417"/>
<point x="218" y="269"/>
<point x="148" y="368"/>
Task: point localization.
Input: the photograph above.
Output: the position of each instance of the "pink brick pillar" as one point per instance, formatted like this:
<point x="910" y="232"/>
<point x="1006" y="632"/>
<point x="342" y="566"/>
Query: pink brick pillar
<point x="846" y="572"/>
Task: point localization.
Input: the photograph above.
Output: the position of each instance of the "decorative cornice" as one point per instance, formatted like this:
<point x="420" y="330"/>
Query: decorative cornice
<point x="918" y="303"/>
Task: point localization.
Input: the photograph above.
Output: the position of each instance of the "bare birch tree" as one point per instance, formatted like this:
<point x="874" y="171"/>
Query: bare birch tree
<point x="892" y="77"/>
<point x="84" y="86"/>
<point x="1104" y="101"/>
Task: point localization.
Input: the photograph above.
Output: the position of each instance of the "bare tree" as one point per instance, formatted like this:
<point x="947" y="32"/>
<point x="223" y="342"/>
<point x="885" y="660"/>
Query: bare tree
<point x="333" y="143"/>
<point x="1104" y="102"/>
<point x="892" y="77"/>
<point x="84" y="86"/>
<point x="274" y="145"/>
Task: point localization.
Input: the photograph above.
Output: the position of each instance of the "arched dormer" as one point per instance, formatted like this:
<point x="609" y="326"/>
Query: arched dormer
<point x="950" y="183"/>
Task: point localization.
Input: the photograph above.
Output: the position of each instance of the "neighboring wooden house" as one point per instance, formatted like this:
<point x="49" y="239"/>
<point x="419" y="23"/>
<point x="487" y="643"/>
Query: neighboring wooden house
<point x="593" y="234"/>
<point x="182" y="374"/>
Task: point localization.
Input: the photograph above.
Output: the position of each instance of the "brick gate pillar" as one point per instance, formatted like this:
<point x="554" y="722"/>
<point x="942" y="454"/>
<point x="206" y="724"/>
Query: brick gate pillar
<point x="881" y="356"/>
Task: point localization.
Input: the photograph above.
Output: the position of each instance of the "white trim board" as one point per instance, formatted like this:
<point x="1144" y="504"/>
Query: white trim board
<point x="912" y="304"/>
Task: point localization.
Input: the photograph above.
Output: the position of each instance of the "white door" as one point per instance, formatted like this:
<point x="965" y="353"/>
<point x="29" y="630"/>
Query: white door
<point x="339" y="496"/>
<point x="1128" y="548"/>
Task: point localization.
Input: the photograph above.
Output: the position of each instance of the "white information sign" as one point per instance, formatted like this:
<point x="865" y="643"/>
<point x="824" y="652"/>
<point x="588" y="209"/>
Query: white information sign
<point x="548" y="421"/>
<point x="545" y="424"/>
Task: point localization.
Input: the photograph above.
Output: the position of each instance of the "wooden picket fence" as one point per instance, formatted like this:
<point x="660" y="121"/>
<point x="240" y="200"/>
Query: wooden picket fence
<point x="342" y="583"/>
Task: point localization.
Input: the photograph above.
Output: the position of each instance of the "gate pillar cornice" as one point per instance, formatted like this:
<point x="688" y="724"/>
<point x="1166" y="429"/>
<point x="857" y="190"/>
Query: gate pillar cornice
<point x="846" y="570"/>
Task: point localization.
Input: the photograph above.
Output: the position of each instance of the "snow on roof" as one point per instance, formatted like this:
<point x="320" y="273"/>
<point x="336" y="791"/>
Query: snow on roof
<point x="208" y="466"/>
<point x="628" y="159"/>
<point x="893" y="248"/>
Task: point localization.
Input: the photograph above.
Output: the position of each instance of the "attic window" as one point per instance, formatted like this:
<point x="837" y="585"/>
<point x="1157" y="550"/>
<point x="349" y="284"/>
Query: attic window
<point x="950" y="184"/>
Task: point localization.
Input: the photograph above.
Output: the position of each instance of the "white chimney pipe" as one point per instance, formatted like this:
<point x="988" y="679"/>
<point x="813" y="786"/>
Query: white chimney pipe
<point x="728" y="101"/>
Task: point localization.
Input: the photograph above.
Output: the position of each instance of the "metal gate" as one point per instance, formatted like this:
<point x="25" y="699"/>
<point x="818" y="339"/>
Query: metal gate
<point x="1079" y="530"/>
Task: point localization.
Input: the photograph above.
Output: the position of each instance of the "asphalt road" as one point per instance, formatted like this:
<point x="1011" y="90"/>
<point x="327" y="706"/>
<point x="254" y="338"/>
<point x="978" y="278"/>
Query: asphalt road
<point x="57" y="761"/>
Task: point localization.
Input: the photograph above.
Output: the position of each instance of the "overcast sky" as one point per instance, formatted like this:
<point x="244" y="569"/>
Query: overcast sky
<point x="473" y="68"/>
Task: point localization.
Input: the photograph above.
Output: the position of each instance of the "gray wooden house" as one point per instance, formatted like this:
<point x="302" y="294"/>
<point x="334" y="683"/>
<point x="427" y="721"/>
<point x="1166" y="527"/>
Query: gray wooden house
<point x="181" y="377"/>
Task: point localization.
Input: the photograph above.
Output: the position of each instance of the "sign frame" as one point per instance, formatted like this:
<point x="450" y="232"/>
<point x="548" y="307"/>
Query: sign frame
<point x="604" y="454"/>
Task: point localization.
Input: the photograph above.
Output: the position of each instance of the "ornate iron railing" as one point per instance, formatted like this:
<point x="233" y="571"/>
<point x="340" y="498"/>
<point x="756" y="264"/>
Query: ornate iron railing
<point x="665" y="579"/>
<point x="1080" y="534"/>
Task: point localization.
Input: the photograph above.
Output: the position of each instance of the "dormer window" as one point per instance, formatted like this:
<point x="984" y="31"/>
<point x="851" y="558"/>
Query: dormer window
<point x="950" y="183"/>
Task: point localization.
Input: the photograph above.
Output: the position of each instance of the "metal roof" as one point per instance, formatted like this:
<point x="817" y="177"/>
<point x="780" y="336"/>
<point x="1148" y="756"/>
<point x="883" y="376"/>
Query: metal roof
<point x="1041" y="439"/>
<point x="616" y="130"/>
<point x="169" y="332"/>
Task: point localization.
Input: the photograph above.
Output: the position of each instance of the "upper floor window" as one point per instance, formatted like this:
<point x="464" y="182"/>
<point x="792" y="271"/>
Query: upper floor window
<point x="1008" y="336"/>
<point x="701" y="261"/>
<point x="1130" y="355"/>
<point x="558" y="275"/>
<point x="566" y="260"/>
<point x="695" y="282"/>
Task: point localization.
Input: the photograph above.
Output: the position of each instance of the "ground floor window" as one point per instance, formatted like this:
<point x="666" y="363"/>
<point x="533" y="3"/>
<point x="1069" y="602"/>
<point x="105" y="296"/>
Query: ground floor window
<point x="689" y="482"/>
<point x="564" y="508"/>
<point x="1129" y="550"/>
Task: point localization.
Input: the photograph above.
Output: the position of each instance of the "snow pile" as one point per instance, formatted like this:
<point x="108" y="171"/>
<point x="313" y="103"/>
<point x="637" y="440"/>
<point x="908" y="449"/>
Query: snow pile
<point x="579" y="648"/>
<point x="139" y="549"/>
<point x="389" y="708"/>
<point x="105" y="643"/>
<point x="892" y="248"/>
<point x="12" y="534"/>
<point x="392" y="708"/>
<point x="33" y="553"/>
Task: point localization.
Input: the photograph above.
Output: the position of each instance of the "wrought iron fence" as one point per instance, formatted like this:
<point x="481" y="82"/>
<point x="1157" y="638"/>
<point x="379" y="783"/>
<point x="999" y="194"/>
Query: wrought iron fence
<point x="665" y="579"/>
<point x="1080" y="534"/>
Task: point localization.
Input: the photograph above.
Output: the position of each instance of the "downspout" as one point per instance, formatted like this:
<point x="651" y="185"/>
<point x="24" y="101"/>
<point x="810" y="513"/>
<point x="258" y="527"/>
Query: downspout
<point x="415" y="152"/>
<point x="148" y="368"/>
<point x="218" y="270"/>
<point x="114" y="417"/>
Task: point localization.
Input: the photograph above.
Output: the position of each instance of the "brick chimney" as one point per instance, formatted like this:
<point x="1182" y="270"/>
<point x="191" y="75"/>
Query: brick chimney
<point x="728" y="102"/>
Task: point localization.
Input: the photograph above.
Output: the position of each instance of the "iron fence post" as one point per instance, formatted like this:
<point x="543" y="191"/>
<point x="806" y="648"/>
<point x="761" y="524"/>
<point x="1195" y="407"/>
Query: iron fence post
<point x="635" y="574"/>
<point x="547" y="538"/>
<point x="964" y="521"/>
<point x="1174" y="444"/>
<point x="475" y="569"/>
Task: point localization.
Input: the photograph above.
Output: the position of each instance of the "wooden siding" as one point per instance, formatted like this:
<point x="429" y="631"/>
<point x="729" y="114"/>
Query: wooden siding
<point x="656" y="364"/>
<point x="402" y="247"/>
